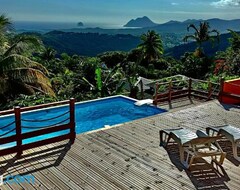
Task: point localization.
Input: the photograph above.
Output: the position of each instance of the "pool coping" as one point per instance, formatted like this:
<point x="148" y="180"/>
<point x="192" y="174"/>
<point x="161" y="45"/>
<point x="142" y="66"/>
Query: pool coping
<point x="77" y="103"/>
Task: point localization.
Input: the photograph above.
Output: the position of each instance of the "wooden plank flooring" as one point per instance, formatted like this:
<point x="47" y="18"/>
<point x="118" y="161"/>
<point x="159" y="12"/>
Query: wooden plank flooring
<point x="129" y="157"/>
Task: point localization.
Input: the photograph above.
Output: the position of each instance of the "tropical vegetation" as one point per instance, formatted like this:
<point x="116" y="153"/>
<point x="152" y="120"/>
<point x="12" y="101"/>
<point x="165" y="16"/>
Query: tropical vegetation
<point x="32" y="73"/>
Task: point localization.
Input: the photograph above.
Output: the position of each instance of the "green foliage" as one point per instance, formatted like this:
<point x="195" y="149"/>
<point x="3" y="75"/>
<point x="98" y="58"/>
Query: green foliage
<point x="234" y="40"/>
<point x="25" y="101"/>
<point x="98" y="73"/>
<point x="228" y="63"/>
<point x="194" y="66"/>
<point x="111" y="59"/>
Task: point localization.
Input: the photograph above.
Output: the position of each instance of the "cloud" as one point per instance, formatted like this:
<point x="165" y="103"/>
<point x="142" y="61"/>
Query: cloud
<point x="226" y="3"/>
<point x="174" y="4"/>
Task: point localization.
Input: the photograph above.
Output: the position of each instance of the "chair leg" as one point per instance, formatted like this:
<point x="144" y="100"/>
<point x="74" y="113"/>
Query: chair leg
<point x="181" y="152"/>
<point x="191" y="162"/>
<point x="218" y="159"/>
<point x="235" y="153"/>
<point x="164" y="138"/>
<point x="185" y="162"/>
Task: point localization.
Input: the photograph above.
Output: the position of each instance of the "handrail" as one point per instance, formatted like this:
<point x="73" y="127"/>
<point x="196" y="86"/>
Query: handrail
<point x="19" y="136"/>
<point x="11" y="111"/>
<point x="206" y="90"/>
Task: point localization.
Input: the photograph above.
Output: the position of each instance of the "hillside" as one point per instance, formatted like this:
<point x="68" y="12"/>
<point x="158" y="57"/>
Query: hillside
<point x="210" y="50"/>
<point x="88" y="44"/>
<point x="91" y="44"/>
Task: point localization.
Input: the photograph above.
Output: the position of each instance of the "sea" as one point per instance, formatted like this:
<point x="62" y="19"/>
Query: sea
<point x="29" y="26"/>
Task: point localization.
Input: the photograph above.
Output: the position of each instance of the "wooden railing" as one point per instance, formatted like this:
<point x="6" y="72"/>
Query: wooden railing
<point x="168" y="91"/>
<point x="19" y="136"/>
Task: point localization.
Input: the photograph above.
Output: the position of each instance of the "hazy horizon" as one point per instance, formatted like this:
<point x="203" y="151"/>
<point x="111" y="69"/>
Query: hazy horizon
<point x="51" y="25"/>
<point x="118" y="12"/>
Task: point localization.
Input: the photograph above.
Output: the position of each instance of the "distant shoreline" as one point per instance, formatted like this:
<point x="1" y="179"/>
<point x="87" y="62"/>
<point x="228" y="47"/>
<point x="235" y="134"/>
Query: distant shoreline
<point x="48" y="26"/>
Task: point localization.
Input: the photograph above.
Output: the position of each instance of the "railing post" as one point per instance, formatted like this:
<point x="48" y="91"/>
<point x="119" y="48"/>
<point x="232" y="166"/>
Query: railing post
<point x="209" y="90"/>
<point x="170" y="92"/>
<point x="189" y="87"/>
<point x="72" y="120"/>
<point x="220" y="95"/>
<point x="17" y="112"/>
<point x="156" y="94"/>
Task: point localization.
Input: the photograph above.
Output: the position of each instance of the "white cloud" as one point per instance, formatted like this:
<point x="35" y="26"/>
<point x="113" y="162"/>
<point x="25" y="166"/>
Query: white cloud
<point x="225" y="3"/>
<point x="174" y="4"/>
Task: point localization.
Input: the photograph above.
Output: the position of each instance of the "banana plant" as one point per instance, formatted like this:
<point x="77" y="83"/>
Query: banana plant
<point x="108" y="82"/>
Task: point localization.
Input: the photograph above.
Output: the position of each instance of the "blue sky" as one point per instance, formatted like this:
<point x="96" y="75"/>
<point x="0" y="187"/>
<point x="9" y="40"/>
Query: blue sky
<point x="118" y="11"/>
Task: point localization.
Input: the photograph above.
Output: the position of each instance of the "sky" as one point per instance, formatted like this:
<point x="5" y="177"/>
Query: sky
<point x="118" y="11"/>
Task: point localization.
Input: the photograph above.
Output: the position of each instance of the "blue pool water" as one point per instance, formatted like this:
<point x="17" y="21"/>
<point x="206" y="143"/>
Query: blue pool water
<point x="89" y="116"/>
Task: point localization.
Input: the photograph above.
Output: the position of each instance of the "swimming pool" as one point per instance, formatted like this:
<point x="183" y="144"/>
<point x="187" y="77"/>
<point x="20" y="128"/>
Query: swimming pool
<point x="90" y="115"/>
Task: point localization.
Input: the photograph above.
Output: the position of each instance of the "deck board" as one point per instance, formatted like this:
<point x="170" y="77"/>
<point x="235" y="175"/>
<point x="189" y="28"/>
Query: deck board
<point x="129" y="156"/>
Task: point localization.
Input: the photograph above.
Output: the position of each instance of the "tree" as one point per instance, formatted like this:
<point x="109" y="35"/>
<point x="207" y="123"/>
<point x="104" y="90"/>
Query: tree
<point x="5" y="24"/>
<point x="151" y="46"/>
<point x="48" y="54"/>
<point x="18" y="73"/>
<point x="228" y="62"/>
<point x="234" y="40"/>
<point x="202" y="34"/>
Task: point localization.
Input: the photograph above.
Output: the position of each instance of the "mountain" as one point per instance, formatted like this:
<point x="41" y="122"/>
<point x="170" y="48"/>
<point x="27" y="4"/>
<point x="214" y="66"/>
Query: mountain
<point x="141" y="23"/>
<point x="80" y="24"/>
<point x="181" y="27"/>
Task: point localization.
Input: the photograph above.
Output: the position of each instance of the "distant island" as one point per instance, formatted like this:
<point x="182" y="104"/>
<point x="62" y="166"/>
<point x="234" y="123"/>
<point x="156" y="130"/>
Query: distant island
<point x="142" y="22"/>
<point x="80" y="24"/>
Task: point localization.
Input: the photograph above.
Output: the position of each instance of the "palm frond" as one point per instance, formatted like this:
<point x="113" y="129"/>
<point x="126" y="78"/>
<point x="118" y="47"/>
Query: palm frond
<point x="32" y="76"/>
<point x="194" y="27"/>
<point x="21" y="42"/>
<point x="4" y="86"/>
<point x="28" y="75"/>
<point x="17" y="61"/>
<point x="5" y="22"/>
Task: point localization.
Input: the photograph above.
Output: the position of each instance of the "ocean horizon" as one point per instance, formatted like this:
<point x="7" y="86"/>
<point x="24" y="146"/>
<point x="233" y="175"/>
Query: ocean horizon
<point x="48" y="26"/>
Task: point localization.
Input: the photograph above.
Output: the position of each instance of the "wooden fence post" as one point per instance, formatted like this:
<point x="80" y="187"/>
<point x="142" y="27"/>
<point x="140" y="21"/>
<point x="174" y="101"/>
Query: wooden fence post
<point x="189" y="88"/>
<point x="220" y="95"/>
<point x="170" y="92"/>
<point x="17" y="112"/>
<point x="72" y="120"/>
<point x="155" y="101"/>
<point x="209" y="90"/>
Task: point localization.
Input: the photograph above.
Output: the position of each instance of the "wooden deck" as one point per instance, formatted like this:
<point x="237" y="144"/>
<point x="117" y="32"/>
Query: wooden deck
<point x="128" y="157"/>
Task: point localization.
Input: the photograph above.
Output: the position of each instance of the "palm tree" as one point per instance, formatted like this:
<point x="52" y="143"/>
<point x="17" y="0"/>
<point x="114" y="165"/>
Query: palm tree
<point x="151" y="46"/>
<point x="18" y="73"/>
<point x="5" y="23"/>
<point x="48" y="54"/>
<point x="202" y="34"/>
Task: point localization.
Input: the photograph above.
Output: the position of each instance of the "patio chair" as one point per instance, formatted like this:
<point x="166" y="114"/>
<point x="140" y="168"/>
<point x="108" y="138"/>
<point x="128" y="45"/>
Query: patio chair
<point x="229" y="132"/>
<point x="196" y="145"/>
